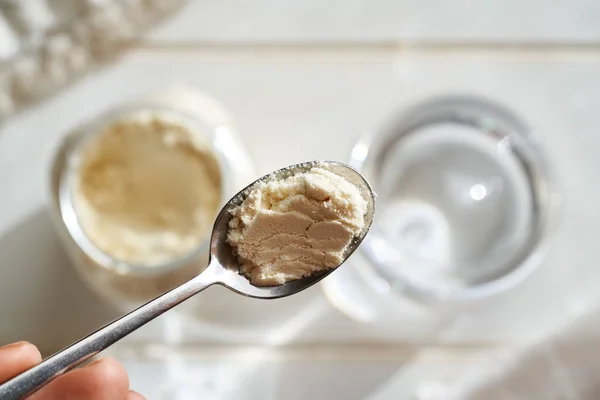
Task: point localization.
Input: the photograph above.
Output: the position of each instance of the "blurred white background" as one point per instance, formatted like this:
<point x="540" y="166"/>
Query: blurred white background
<point x="303" y="80"/>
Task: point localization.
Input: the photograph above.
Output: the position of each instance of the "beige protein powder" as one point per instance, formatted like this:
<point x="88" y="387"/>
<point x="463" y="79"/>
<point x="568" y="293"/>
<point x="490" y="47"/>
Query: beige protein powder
<point x="148" y="189"/>
<point x="290" y="228"/>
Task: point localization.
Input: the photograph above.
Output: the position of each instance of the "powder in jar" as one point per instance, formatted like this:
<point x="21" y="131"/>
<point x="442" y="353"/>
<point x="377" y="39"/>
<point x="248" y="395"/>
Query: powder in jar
<point x="148" y="189"/>
<point x="289" y="228"/>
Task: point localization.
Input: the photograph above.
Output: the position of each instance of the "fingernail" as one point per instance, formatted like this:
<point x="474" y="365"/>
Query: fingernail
<point x="137" y="394"/>
<point x="14" y="345"/>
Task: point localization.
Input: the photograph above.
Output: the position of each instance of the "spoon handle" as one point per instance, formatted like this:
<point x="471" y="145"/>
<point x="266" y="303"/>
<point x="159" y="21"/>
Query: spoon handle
<point x="70" y="357"/>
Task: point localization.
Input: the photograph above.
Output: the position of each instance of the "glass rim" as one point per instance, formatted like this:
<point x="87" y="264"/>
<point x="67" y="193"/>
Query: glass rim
<point x="476" y="112"/>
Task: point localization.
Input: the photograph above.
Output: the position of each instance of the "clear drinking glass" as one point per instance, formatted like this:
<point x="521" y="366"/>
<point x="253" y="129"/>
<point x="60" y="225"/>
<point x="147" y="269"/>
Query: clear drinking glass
<point x="465" y="203"/>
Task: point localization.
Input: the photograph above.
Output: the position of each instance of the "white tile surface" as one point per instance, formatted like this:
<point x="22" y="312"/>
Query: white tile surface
<point x="251" y="380"/>
<point x="298" y="103"/>
<point x="295" y="107"/>
<point x="302" y="373"/>
<point x="377" y="20"/>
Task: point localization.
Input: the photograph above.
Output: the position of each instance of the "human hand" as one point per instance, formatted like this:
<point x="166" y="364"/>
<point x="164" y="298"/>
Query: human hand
<point x="104" y="379"/>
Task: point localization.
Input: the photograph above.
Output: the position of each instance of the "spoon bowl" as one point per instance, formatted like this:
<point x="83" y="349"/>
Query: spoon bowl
<point x="223" y="269"/>
<point x="226" y="269"/>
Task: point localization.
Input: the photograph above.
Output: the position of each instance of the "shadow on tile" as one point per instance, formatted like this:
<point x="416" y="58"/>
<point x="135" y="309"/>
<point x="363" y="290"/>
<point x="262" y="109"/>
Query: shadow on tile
<point x="42" y="299"/>
<point x="269" y="373"/>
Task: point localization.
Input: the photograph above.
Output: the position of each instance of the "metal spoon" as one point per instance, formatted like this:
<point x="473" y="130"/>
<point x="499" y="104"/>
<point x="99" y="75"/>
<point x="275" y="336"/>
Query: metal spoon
<point x="222" y="270"/>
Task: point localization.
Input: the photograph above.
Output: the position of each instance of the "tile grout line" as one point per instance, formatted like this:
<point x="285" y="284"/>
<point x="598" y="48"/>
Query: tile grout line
<point x="387" y="45"/>
<point x="322" y="353"/>
<point x="383" y="51"/>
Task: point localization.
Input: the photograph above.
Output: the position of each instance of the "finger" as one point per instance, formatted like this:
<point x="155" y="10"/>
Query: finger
<point x="104" y="379"/>
<point x="16" y="358"/>
<point x="135" y="396"/>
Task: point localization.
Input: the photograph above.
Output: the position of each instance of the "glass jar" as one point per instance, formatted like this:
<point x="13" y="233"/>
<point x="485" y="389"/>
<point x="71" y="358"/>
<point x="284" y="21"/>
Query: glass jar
<point x="120" y="282"/>
<point x="466" y="202"/>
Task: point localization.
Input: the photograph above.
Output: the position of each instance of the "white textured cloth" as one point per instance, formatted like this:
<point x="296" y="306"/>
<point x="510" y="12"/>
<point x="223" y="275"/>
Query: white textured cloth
<point x="564" y="366"/>
<point x="46" y="45"/>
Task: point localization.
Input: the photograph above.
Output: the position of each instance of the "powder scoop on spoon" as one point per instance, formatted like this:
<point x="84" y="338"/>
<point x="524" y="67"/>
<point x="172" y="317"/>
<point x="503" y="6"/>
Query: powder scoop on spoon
<point x="280" y="235"/>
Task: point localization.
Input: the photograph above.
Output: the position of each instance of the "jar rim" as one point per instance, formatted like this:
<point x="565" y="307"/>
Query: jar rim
<point x="89" y="132"/>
